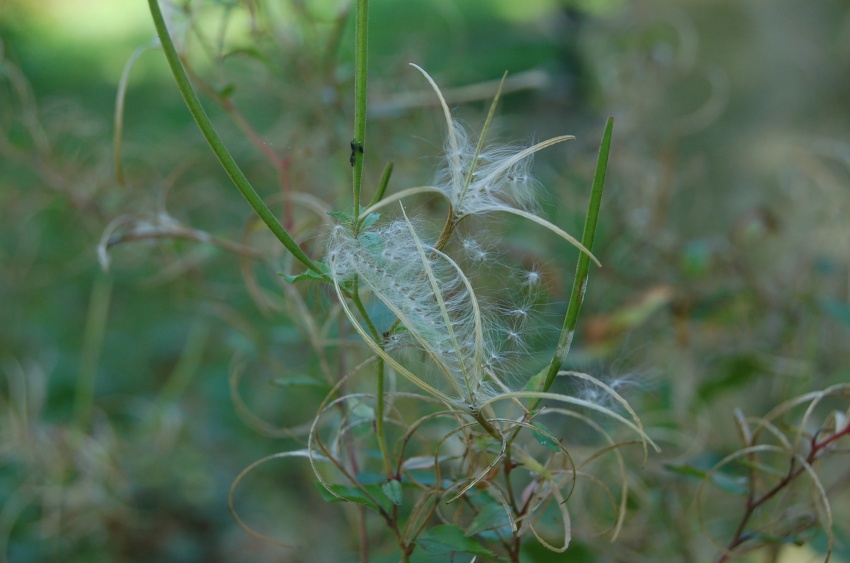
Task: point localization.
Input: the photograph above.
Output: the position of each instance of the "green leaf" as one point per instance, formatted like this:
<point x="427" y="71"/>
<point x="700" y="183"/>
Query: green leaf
<point x="309" y="275"/>
<point x="725" y="482"/>
<point x="535" y="552"/>
<point x="370" y="220"/>
<point x="392" y="490"/>
<point x="350" y="494"/>
<point x="730" y="483"/>
<point x="222" y="154"/>
<point x="583" y="266"/>
<point x="537" y="381"/>
<point x="444" y="539"/>
<point x="344" y="217"/>
<point x="686" y="470"/>
<point x="249" y="52"/>
<point x="371" y="477"/>
<point x="492" y="518"/>
<point x="544" y="440"/>
<point x="227" y="90"/>
<point x="298" y="380"/>
<point x="732" y="373"/>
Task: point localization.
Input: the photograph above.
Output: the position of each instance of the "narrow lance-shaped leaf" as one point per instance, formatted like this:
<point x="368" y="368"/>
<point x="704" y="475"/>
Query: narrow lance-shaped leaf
<point x="208" y="130"/>
<point x="453" y="141"/>
<point x="583" y="266"/>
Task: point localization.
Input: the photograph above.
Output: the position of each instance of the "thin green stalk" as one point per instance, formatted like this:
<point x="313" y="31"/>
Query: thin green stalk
<point x="361" y="64"/>
<point x="187" y="366"/>
<point x="485" y="424"/>
<point x="379" y="419"/>
<point x="448" y="229"/>
<point x="583" y="267"/>
<point x="92" y="344"/>
<point x="120" y="98"/>
<point x="217" y="146"/>
<point x="379" y="410"/>
<point x="361" y="36"/>
<point x="355" y="296"/>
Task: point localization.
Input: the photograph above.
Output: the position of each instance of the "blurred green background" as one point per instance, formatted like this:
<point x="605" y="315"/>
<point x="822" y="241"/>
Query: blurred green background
<point x="724" y="236"/>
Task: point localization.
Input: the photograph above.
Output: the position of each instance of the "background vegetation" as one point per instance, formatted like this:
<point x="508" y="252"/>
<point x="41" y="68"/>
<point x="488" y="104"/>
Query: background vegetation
<point x="724" y="239"/>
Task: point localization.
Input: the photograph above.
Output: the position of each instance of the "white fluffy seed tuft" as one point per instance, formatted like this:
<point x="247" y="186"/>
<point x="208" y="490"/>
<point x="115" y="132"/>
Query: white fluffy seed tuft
<point x="429" y="294"/>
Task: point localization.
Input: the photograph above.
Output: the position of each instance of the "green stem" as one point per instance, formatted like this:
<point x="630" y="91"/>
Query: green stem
<point x="583" y="267"/>
<point x="379" y="421"/>
<point x="118" y="119"/>
<point x="485" y="424"/>
<point x="379" y="410"/>
<point x="92" y="344"/>
<point x="187" y="366"/>
<point x="361" y="36"/>
<point x="217" y="146"/>
<point x="355" y="296"/>
<point x="448" y="228"/>
<point x="361" y="63"/>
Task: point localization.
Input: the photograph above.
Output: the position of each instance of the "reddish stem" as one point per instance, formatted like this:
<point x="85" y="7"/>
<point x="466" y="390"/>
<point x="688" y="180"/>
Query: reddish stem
<point x="815" y="451"/>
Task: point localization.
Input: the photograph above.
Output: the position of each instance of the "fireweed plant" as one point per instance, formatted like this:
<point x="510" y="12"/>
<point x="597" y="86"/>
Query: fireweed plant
<point x="440" y="423"/>
<point x="439" y="430"/>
